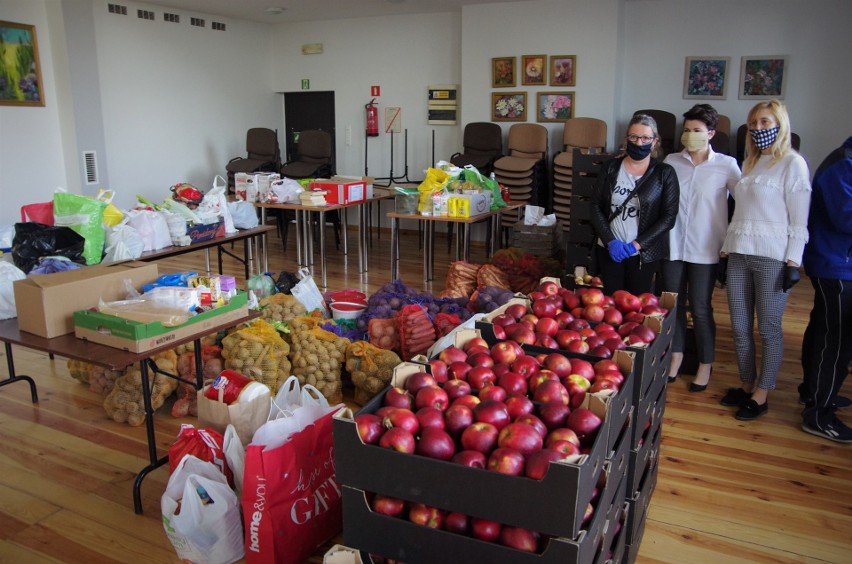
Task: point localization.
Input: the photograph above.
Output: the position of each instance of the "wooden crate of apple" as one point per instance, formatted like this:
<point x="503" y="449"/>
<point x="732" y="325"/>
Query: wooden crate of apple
<point x="583" y="321"/>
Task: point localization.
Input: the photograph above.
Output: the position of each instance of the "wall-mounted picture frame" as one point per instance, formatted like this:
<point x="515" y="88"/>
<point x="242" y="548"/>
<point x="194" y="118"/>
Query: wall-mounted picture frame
<point x="555" y="106"/>
<point x="706" y="78"/>
<point x="20" y="69"/>
<point x="534" y="70"/>
<point x="508" y="106"/>
<point x="763" y="77"/>
<point x="503" y="72"/>
<point x="563" y="70"/>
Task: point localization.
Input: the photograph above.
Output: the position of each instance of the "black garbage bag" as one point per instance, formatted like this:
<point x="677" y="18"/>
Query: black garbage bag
<point x="285" y="282"/>
<point x="33" y="241"/>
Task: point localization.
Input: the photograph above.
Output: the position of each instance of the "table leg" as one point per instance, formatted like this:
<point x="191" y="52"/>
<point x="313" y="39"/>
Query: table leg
<point x="345" y="220"/>
<point x="432" y="225"/>
<point x="297" y="214"/>
<point x="152" y="444"/>
<point x="466" y="247"/>
<point x="207" y="261"/>
<point x="458" y="240"/>
<point x="363" y="230"/>
<point x="10" y="363"/>
<point x="322" y="248"/>
<point x="309" y="240"/>
<point x="426" y="246"/>
<point x="249" y="257"/>
<point x="394" y="248"/>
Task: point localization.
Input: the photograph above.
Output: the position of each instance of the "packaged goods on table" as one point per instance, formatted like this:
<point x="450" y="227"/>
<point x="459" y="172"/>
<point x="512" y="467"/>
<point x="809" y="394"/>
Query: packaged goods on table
<point x="125" y="403"/>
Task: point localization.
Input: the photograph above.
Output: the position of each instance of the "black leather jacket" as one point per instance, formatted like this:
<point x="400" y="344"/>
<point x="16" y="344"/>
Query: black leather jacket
<point x="659" y="195"/>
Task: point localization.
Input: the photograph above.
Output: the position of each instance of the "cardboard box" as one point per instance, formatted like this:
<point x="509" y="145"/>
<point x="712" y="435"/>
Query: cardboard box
<point x="648" y="412"/>
<point x="46" y="302"/>
<point x="405" y="541"/>
<point x="140" y="337"/>
<point x="643" y="457"/>
<point x="637" y="508"/>
<point x="341" y="190"/>
<point x="478" y="203"/>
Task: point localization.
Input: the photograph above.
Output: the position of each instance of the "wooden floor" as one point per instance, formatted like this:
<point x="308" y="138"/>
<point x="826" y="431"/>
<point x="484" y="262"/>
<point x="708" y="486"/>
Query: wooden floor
<point x="728" y="491"/>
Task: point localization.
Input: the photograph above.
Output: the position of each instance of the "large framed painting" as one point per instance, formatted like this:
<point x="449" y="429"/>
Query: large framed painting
<point x="763" y="77"/>
<point x="20" y="70"/>
<point x="706" y="77"/>
<point x="555" y="106"/>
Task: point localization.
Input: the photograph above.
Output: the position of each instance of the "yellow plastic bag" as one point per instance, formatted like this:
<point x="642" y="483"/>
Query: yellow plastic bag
<point x="435" y="181"/>
<point x="112" y="215"/>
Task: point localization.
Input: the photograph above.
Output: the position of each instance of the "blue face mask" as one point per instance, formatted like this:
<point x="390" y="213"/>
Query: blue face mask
<point x="638" y="152"/>
<point x="763" y="138"/>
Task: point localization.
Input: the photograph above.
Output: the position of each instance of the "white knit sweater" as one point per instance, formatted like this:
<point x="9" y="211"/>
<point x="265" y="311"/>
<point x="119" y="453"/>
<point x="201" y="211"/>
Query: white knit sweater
<point x="771" y="213"/>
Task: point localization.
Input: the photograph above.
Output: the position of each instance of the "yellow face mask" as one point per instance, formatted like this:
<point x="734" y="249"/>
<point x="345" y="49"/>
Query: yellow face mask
<point x="695" y="140"/>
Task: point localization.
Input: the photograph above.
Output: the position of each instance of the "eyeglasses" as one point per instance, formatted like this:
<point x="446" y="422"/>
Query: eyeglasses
<point x="641" y="139"/>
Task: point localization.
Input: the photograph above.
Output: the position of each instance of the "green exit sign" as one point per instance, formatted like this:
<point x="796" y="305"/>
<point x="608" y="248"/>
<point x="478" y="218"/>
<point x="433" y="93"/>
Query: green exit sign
<point x="306" y="84"/>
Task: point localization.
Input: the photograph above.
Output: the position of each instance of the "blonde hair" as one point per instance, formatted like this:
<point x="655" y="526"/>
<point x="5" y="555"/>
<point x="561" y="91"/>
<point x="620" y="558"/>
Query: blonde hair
<point x="781" y="146"/>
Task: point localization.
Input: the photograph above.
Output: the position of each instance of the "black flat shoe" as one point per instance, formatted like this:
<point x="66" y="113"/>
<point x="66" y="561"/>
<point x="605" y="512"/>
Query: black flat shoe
<point x="693" y="387"/>
<point x="751" y="410"/>
<point x="734" y="397"/>
<point x="672" y="378"/>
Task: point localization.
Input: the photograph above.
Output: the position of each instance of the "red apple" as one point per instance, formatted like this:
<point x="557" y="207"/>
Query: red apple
<point x="493" y="392"/>
<point x="593" y="313"/>
<point x="370" y="428"/>
<point x="527" y="366"/>
<point x="513" y="383"/>
<point x="647" y="298"/>
<point x="528" y="320"/>
<point x="519" y="333"/>
<point x="626" y="302"/>
<point x="499" y="332"/>
<point x="582" y="367"/>
<point x="426" y="516"/>
<point x="635" y="317"/>
<point x="457" y="523"/>
<point x="593" y="296"/>
<point x="602" y="384"/>
<point x="578" y="347"/>
<point x="519" y="539"/>
<point x="468" y="400"/>
<point x="452" y="354"/>
<point x="458" y="370"/>
<point x="565" y="336"/>
<point x="602" y="366"/>
<point x="551" y="391"/>
<point x="521" y="437"/>
<point x="456" y="388"/>
<point x="578" y="324"/>
<point x="474" y="342"/>
<point x="536" y="295"/>
<point x="538" y="463"/>
<point x="615" y="344"/>
<point x="401" y="418"/>
<point x="547" y="326"/>
<point x="399" y="440"/>
<point x="540" y="378"/>
<point x="419" y="380"/>
<point x="481" y="376"/>
<point x="481" y="359"/>
<point x="504" y="352"/>
<point x="604" y="327"/>
<point x="614" y="375"/>
<point x="594" y="341"/>
<point x="565" y="448"/>
<point x="558" y="364"/>
<point x="601" y="351"/>
<point x="479" y="436"/>
<point x="470" y="458"/>
<point x="438" y="369"/>
<point x="432" y="396"/>
<point x="485" y="530"/>
<point x="430" y="417"/>
<point x="501" y="368"/>
<point x="398" y="397"/>
<point x="457" y="418"/>
<point x="534" y="422"/>
<point x="548" y="288"/>
<point x="387" y="505"/>
<point x="585" y="423"/>
<point x="503" y="320"/>
<point x="506" y="461"/>
<point x="562" y="434"/>
<point x="518" y="406"/>
<point x="517" y="311"/>
<point x="435" y="443"/>
<point x="644" y="334"/>
<point x="570" y="301"/>
<point x="492" y="411"/>
<point x="553" y="415"/>
<point x="563" y="318"/>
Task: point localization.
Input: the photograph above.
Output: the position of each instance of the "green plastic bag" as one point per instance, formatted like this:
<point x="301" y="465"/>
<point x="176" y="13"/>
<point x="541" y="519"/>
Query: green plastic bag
<point x="86" y="217"/>
<point x="471" y="175"/>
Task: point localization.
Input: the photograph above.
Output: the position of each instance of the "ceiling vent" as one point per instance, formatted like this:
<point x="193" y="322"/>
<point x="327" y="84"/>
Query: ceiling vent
<point x="197" y="22"/>
<point x="145" y="15"/>
<point x="90" y="163"/>
<point x="174" y="18"/>
<point x="218" y="26"/>
<point x="117" y="9"/>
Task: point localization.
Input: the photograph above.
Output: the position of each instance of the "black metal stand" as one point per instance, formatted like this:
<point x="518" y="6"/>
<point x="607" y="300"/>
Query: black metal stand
<point x="10" y="363"/>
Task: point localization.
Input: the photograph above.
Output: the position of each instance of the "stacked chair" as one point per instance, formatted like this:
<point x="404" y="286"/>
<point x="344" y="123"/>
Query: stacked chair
<point x="588" y="135"/>
<point x="524" y="170"/>
<point x="581" y="235"/>
<point x="263" y="154"/>
<point x="483" y="144"/>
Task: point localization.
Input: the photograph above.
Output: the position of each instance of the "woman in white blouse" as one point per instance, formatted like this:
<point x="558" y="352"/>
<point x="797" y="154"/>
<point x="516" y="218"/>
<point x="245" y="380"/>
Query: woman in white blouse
<point x="764" y="246"/>
<point x="705" y="179"/>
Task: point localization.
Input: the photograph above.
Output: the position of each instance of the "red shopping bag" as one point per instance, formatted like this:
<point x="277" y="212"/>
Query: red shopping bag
<point x="291" y="498"/>
<point x="38" y="213"/>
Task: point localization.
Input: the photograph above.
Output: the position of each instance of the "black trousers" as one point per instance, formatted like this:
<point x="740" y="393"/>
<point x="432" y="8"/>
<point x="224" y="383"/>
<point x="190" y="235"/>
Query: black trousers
<point x="826" y="347"/>
<point x="695" y="282"/>
<point x="631" y="274"/>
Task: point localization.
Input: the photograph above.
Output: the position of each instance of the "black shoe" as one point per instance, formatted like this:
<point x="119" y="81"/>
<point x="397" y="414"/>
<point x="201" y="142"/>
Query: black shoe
<point x="840" y="402"/>
<point x="693" y="387"/>
<point x="751" y="410"/>
<point x="671" y="379"/>
<point x="734" y="397"/>
<point x="834" y="430"/>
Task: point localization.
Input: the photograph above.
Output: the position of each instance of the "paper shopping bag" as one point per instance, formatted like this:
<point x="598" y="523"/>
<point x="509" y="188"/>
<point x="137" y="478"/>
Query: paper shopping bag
<point x="291" y="498"/>
<point x="246" y="417"/>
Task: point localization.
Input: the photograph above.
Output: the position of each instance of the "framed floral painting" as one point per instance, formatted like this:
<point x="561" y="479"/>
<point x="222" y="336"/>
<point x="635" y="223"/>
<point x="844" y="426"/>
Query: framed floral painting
<point x="20" y="69"/>
<point x="503" y="72"/>
<point x="706" y="77"/>
<point x="563" y="69"/>
<point x="509" y="106"/>
<point x="555" y="106"/>
<point x="763" y="77"/>
<point x="534" y="69"/>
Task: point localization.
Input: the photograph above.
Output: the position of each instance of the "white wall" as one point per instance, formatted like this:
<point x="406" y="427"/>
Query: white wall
<point x="401" y="54"/>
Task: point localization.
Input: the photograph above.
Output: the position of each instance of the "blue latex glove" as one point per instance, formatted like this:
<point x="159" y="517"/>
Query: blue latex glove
<point x="619" y="250"/>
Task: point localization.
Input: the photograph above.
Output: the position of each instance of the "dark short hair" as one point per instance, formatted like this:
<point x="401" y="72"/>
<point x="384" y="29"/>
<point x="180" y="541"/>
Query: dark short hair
<point x="704" y="113"/>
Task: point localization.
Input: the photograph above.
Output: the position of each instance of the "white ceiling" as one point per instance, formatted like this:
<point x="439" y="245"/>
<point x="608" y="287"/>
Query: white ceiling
<point x="314" y="10"/>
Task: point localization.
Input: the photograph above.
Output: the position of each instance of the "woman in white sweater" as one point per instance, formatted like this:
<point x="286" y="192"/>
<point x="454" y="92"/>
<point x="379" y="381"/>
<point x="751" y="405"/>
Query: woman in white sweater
<point x="764" y="246"/>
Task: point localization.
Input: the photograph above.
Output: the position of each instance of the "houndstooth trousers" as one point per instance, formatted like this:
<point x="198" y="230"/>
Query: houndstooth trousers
<point x="754" y="284"/>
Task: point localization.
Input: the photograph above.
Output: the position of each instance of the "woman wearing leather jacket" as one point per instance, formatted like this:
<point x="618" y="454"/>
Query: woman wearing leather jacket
<point x="635" y="204"/>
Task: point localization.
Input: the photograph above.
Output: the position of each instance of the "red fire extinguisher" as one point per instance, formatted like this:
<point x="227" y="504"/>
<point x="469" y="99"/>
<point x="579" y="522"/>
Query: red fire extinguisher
<point x="372" y="119"/>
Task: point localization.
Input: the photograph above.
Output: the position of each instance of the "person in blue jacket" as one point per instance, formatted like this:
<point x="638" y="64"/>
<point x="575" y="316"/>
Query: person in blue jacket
<point x="827" y="343"/>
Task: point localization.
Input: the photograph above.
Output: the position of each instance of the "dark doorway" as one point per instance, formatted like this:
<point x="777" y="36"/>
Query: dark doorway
<point x="307" y="110"/>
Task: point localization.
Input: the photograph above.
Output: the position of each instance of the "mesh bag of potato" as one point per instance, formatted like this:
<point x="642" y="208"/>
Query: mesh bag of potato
<point x="371" y="369"/>
<point x="125" y="403"/>
<point x="258" y="351"/>
<point x="100" y="380"/>
<point x="211" y="363"/>
<point x="318" y="357"/>
<point x="281" y="307"/>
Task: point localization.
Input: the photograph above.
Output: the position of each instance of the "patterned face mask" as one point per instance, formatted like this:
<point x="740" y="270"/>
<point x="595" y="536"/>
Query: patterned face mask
<point x="763" y="138"/>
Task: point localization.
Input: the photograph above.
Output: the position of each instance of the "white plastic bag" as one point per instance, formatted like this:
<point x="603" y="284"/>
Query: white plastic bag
<point x="284" y="191"/>
<point x="244" y="214"/>
<point x="8" y="274"/>
<point x="292" y="409"/>
<point x="201" y="514"/>
<point x="215" y="203"/>
<point x="123" y="242"/>
<point x="307" y="292"/>
<point x="152" y="227"/>
<point x="235" y="456"/>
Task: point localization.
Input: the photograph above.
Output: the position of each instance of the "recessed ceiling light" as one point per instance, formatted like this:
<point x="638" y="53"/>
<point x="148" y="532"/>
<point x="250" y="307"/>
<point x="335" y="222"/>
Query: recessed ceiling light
<point x="274" y="10"/>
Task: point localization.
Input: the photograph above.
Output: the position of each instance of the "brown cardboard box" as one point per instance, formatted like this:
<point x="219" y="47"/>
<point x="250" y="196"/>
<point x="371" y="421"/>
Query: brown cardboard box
<point x="46" y="302"/>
